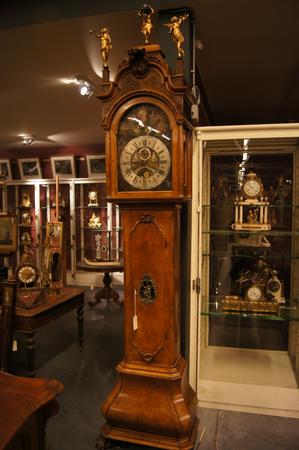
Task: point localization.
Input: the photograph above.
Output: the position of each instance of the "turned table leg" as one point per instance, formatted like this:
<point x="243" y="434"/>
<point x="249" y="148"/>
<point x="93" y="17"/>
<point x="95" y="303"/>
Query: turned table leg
<point x="30" y="345"/>
<point x="106" y="292"/>
<point x="80" y="319"/>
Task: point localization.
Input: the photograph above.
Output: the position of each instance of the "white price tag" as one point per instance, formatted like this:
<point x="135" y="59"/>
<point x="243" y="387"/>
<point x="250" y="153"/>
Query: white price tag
<point x="14" y="345"/>
<point x="135" y="323"/>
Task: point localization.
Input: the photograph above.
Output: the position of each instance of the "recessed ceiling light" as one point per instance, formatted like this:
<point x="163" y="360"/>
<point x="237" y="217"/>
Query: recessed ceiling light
<point x="84" y="86"/>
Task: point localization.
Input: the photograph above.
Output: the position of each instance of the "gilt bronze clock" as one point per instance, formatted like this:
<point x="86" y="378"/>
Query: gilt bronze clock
<point x="27" y="274"/>
<point x="148" y="173"/>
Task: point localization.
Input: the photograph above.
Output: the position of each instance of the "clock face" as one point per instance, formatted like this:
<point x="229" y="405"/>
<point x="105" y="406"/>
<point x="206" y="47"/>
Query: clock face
<point x="254" y="293"/>
<point x="144" y="149"/>
<point x="273" y="285"/>
<point x="145" y="162"/>
<point x="27" y="274"/>
<point x="252" y="188"/>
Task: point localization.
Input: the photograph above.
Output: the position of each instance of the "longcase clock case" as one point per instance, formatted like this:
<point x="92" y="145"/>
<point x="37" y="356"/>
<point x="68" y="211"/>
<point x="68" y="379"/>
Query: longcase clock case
<point x="148" y="150"/>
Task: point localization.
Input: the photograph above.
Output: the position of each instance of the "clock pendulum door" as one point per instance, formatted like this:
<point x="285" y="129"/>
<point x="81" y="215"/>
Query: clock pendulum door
<point x="152" y="403"/>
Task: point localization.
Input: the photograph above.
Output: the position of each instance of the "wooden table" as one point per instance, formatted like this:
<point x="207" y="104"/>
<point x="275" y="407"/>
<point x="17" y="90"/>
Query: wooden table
<point x="25" y="406"/>
<point x="106" y="292"/>
<point x="28" y="321"/>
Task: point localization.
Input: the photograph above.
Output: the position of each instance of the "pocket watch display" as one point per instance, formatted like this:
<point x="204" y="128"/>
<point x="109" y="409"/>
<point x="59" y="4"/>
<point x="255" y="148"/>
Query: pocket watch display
<point x="144" y="143"/>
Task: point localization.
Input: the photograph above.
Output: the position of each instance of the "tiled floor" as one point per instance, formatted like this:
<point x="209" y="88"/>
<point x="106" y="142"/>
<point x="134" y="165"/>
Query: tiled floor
<point x="89" y="376"/>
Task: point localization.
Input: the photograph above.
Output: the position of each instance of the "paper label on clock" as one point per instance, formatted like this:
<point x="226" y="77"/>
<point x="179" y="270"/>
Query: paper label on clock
<point x="135" y="322"/>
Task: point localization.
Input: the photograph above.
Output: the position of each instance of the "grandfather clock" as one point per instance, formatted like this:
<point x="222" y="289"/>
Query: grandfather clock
<point x="148" y="173"/>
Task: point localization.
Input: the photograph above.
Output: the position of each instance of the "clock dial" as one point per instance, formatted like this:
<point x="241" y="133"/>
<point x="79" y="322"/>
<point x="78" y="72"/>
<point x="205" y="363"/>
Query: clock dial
<point x="144" y="149"/>
<point x="145" y="162"/>
<point x="252" y="188"/>
<point x="254" y="293"/>
<point x="27" y="274"/>
<point x="273" y="285"/>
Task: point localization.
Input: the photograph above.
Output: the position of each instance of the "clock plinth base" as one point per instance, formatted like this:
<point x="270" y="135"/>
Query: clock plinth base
<point x="153" y="406"/>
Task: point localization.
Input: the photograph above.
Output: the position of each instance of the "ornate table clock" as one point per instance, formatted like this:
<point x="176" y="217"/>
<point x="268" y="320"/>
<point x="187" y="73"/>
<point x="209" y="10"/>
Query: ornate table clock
<point x="149" y="175"/>
<point x="251" y="213"/>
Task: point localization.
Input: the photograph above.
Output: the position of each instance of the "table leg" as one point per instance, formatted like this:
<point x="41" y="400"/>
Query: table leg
<point x="80" y="319"/>
<point x="30" y="344"/>
<point x="106" y="292"/>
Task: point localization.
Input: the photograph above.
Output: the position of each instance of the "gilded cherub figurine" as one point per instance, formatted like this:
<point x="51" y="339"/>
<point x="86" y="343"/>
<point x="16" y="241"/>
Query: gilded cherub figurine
<point x="175" y="30"/>
<point x="106" y="43"/>
<point x="146" y="13"/>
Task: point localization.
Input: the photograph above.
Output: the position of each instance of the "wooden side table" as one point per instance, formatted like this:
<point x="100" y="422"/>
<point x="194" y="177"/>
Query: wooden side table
<point x="28" y="321"/>
<point x="106" y="292"/>
<point x="25" y="407"/>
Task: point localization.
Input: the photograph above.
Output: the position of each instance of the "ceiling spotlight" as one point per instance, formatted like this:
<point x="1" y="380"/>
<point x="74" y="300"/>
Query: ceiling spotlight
<point x="85" y="87"/>
<point x="28" y="139"/>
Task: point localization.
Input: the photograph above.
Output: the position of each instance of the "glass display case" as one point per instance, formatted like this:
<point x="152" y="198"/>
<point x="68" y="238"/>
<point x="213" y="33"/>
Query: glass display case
<point x="245" y="314"/>
<point x="97" y="225"/>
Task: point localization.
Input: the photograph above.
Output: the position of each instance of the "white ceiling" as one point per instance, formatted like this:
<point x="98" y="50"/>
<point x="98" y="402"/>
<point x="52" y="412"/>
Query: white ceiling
<point x="248" y="64"/>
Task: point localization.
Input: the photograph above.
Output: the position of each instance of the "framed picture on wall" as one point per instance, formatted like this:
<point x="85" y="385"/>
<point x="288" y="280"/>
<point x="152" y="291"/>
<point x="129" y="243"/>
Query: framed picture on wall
<point x="5" y="170"/>
<point x="96" y="166"/>
<point x="30" y="168"/>
<point x="63" y="166"/>
<point x="8" y="233"/>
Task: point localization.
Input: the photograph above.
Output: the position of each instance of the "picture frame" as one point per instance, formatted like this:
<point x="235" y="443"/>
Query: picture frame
<point x="8" y="233"/>
<point x="63" y="166"/>
<point x="5" y="169"/>
<point x="96" y="166"/>
<point x="30" y="168"/>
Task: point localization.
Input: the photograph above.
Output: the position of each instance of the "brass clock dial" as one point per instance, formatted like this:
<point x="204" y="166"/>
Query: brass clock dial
<point x="145" y="162"/>
<point x="27" y="274"/>
<point x="144" y="148"/>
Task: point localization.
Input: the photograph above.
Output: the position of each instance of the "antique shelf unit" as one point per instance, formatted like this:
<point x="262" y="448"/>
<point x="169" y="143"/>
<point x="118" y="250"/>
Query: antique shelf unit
<point x="34" y="204"/>
<point x="245" y="259"/>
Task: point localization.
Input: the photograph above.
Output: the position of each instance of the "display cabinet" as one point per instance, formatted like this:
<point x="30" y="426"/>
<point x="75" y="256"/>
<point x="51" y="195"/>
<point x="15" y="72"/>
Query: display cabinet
<point x="97" y="225"/>
<point x="245" y="309"/>
<point x="91" y="226"/>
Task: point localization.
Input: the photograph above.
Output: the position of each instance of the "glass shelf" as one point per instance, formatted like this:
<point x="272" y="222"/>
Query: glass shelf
<point x="285" y="314"/>
<point x="92" y="207"/>
<point x="231" y="205"/>
<point x="100" y="229"/>
<point x="222" y="232"/>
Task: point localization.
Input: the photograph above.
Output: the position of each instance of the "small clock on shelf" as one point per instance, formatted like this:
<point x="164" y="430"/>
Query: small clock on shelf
<point x="27" y="274"/>
<point x="93" y="198"/>
<point x="26" y="271"/>
<point x="255" y="293"/>
<point x="252" y="186"/>
<point x="251" y="213"/>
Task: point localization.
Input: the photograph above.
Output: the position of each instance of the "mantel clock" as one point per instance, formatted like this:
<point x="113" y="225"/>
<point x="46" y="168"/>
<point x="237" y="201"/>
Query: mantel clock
<point x="148" y="173"/>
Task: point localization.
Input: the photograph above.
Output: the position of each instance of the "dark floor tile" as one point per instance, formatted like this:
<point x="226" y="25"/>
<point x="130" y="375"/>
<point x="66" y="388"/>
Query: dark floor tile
<point x="242" y="431"/>
<point x="89" y="376"/>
